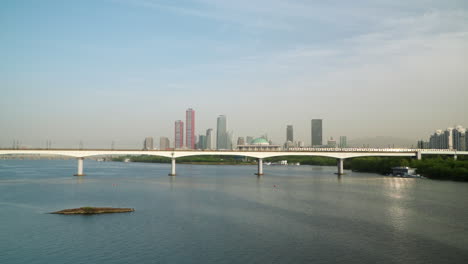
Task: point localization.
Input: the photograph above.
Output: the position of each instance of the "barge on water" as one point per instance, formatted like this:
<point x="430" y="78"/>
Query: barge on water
<point x="405" y="172"/>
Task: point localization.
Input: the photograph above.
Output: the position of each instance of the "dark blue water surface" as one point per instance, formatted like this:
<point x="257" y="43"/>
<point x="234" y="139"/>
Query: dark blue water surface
<point x="225" y="214"/>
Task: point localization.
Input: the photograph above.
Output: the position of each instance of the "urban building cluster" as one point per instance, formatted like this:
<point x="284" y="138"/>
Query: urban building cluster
<point x="316" y="137"/>
<point x="451" y="138"/>
<point x="185" y="137"/>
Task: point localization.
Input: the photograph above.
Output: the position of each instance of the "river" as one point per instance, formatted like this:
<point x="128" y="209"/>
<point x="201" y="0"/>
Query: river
<point x="226" y="214"/>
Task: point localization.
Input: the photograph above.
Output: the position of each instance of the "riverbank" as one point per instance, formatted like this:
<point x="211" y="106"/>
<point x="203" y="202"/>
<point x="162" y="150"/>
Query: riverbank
<point x="443" y="168"/>
<point x="201" y="160"/>
<point x="231" y="160"/>
<point x="217" y="163"/>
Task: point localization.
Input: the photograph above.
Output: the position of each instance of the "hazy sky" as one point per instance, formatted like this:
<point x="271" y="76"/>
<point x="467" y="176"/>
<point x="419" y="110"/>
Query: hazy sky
<point x="103" y="70"/>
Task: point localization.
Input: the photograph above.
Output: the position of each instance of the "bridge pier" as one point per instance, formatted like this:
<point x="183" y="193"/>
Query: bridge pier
<point x="419" y="155"/>
<point x="173" y="173"/>
<point x="339" y="163"/>
<point x="80" y="167"/>
<point x="455" y="157"/>
<point x="260" y="167"/>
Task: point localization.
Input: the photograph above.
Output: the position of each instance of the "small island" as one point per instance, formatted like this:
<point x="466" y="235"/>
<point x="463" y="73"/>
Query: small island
<point x="94" y="210"/>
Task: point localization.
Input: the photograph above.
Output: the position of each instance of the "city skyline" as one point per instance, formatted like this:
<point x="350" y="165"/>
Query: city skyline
<point x="382" y="69"/>
<point x="179" y="137"/>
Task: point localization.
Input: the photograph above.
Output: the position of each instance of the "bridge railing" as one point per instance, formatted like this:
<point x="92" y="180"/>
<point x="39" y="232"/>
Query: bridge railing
<point x="293" y="149"/>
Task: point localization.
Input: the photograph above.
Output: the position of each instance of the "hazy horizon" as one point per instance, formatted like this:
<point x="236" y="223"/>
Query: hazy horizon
<point x="122" y="70"/>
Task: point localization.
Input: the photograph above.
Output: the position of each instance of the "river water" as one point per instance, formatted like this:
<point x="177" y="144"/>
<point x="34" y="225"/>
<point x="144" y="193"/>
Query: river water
<point x="225" y="214"/>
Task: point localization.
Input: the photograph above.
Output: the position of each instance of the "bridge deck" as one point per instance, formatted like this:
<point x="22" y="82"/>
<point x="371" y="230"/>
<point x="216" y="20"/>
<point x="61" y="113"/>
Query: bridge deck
<point x="325" y="152"/>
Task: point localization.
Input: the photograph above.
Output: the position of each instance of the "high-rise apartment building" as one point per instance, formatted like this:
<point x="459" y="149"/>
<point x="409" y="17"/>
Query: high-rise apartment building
<point x="190" y="128"/>
<point x="179" y="134"/>
<point x="221" y="133"/>
<point x="448" y="139"/>
<point x="317" y="132"/>
<point x="343" y="142"/>
<point x="289" y="133"/>
<point x="459" y="138"/>
<point x="436" y="140"/>
<point x="164" y="143"/>
<point x="148" y="143"/>
<point x="209" y="139"/>
<point x="451" y="138"/>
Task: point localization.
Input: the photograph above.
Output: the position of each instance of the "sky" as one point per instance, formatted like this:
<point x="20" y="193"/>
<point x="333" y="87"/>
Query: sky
<point x="99" y="71"/>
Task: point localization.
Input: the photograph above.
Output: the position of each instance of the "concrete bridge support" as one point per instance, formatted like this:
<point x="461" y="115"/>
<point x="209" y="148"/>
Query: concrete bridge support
<point x="418" y="155"/>
<point x="173" y="172"/>
<point x="260" y="167"/>
<point x="80" y="167"/>
<point x="339" y="164"/>
<point x="455" y="157"/>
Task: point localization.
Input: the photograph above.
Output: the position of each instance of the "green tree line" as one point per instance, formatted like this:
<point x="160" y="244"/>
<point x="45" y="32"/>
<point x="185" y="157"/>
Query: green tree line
<point x="437" y="167"/>
<point x="192" y="159"/>
<point x="305" y="160"/>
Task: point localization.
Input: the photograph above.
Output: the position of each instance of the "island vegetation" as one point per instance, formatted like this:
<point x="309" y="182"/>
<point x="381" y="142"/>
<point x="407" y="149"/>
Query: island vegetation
<point x="94" y="210"/>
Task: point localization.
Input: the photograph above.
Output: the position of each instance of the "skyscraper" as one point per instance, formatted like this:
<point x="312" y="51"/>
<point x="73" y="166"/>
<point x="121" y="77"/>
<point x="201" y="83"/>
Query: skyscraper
<point x="343" y="142"/>
<point x="202" y="142"/>
<point x="164" y="143"/>
<point x="229" y="140"/>
<point x="221" y="133"/>
<point x="179" y="134"/>
<point x="317" y="132"/>
<point x="148" y="143"/>
<point x="209" y="138"/>
<point x="240" y="141"/>
<point x="190" y="128"/>
<point x="289" y="133"/>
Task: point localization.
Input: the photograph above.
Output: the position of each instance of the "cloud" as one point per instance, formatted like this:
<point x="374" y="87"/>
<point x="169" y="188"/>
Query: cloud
<point x="211" y="11"/>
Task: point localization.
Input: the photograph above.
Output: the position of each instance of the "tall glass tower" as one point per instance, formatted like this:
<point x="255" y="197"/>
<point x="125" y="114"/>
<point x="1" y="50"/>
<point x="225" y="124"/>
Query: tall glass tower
<point x="317" y="132"/>
<point x="179" y="134"/>
<point x="343" y="142"/>
<point x="190" y="128"/>
<point x="289" y="133"/>
<point x="221" y="133"/>
<point x="209" y="138"/>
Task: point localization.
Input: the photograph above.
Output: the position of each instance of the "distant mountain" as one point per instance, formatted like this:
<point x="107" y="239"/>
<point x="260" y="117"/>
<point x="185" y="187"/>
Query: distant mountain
<point x="382" y="142"/>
